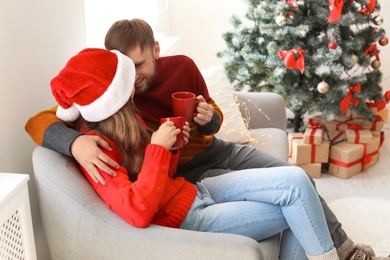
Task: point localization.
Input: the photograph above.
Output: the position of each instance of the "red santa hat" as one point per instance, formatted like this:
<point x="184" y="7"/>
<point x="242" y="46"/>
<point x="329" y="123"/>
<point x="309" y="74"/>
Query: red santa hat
<point x="95" y="83"/>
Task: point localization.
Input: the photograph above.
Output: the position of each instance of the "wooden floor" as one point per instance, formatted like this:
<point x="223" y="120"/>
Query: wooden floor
<point x="373" y="182"/>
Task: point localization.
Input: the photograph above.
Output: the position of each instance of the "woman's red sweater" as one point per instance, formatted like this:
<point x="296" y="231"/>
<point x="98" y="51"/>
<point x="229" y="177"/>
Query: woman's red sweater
<point x="155" y="197"/>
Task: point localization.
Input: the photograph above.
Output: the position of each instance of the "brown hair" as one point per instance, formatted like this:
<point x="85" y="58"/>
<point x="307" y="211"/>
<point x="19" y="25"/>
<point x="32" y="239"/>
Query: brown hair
<point x="129" y="134"/>
<point x="125" y="35"/>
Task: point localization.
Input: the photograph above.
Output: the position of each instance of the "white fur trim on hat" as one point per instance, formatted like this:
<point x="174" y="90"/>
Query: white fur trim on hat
<point x="68" y="115"/>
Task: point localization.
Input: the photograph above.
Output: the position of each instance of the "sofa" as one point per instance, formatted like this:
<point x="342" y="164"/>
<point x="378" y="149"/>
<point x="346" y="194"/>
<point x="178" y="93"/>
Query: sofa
<point x="78" y="225"/>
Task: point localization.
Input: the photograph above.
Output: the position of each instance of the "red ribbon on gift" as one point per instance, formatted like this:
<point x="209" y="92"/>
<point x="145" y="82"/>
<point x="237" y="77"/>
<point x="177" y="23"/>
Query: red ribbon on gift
<point x="356" y="128"/>
<point x="374" y="124"/>
<point x="379" y="105"/>
<point x="334" y="139"/>
<point x="371" y="6"/>
<point x="348" y="99"/>
<point x="337" y="8"/>
<point x="292" y="139"/>
<point x="372" y="49"/>
<point x="289" y="58"/>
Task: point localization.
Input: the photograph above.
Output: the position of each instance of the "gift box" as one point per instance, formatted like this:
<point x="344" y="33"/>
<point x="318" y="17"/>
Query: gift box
<point x="347" y="159"/>
<point x="358" y="135"/>
<point x="337" y="124"/>
<point x="314" y="133"/>
<point x="335" y="136"/>
<point x="376" y="125"/>
<point x="383" y="113"/>
<point x="301" y="153"/>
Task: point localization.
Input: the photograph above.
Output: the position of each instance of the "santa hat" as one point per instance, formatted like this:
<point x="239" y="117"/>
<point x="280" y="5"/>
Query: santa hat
<point x="95" y="83"/>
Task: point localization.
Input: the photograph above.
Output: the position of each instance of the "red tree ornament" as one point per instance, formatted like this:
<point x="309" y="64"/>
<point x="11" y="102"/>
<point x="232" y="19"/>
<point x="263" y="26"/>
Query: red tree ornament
<point x="332" y="45"/>
<point x="384" y="41"/>
<point x="364" y="10"/>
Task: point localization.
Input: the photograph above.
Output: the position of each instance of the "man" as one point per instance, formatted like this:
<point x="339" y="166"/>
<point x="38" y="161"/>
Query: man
<point x="204" y="155"/>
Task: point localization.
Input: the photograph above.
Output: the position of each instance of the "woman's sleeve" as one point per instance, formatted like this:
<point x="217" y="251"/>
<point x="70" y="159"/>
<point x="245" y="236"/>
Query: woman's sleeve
<point x="136" y="202"/>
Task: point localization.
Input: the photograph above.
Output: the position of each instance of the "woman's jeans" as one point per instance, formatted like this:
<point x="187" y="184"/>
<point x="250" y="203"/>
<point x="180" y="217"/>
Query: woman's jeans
<point x="260" y="203"/>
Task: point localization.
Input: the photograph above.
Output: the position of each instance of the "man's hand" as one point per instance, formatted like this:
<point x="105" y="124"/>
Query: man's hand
<point x="204" y="111"/>
<point x="85" y="149"/>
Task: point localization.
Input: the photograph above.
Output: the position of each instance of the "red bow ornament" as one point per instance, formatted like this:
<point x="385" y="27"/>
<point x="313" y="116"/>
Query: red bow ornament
<point x="348" y="99"/>
<point x="366" y="160"/>
<point x="337" y="8"/>
<point x="289" y="58"/>
<point x="294" y="4"/>
<point x="371" y="5"/>
<point x="387" y="95"/>
<point x="372" y="49"/>
<point x="379" y="105"/>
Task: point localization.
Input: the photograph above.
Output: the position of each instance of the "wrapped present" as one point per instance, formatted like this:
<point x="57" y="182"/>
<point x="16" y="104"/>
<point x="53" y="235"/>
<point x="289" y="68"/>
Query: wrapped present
<point x="357" y="134"/>
<point x="301" y="153"/>
<point x="337" y="124"/>
<point x="383" y="113"/>
<point x="347" y="159"/>
<point x="335" y="136"/>
<point x="379" y="108"/>
<point x="314" y="133"/>
<point x="376" y="125"/>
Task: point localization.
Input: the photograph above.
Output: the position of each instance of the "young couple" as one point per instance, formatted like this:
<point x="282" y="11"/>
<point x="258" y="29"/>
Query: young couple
<point x="268" y="193"/>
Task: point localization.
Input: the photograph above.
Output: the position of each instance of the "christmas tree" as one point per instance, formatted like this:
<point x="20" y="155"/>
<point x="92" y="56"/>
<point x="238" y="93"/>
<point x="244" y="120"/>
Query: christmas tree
<point x="321" y="56"/>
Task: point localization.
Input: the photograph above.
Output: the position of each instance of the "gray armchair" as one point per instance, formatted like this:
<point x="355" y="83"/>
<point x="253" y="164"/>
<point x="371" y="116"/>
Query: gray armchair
<point x="78" y="225"/>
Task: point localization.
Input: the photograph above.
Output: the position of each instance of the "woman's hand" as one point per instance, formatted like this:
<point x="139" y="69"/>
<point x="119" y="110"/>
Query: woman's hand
<point x="165" y="135"/>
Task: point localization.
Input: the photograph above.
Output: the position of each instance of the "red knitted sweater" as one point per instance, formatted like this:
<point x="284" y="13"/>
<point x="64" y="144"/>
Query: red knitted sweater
<point x="155" y="197"/>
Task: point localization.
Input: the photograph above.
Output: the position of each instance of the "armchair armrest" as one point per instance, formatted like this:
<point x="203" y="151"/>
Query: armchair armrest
<point x="263" y="109"/>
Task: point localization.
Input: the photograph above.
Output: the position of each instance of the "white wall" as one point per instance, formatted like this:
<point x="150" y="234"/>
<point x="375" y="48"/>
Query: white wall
<point x="200" y="25"/>
<point x="37" y="38"/>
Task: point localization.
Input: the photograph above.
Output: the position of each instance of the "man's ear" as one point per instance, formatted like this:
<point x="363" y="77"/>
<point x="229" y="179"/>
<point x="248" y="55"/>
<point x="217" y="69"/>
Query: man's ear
<point x="156" y="50"/>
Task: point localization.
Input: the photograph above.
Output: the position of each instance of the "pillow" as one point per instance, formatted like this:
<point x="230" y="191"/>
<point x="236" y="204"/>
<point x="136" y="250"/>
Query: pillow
<point x="233" y="128"/>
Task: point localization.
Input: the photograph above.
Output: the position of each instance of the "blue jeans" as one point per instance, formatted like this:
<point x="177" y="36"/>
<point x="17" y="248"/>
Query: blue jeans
<point x="260" y="203"/>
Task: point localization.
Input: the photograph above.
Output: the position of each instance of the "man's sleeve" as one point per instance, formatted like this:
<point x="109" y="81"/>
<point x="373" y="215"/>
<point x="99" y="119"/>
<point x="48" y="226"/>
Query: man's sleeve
<point x="48" y="131"/>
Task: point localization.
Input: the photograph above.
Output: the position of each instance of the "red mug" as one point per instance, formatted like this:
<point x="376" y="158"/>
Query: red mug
<point x="179" y="122"/>
<point x="184" y="104"/>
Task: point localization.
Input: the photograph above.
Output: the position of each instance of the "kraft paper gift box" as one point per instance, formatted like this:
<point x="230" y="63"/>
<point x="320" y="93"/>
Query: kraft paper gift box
<point x="335" y="136"/>
<point x="348" y="159"/>
<point x="383" y="113"/>
<point x="337" y="124"/>
<point x="301" y="153"/>
<point x="376" y="125"/>
<point x="358" y="135"/>
<point x="314" y="134"/>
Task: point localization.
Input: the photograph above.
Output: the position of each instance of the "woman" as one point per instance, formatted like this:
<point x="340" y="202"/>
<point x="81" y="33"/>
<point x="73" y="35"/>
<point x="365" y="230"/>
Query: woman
<point x="99" y="84"/>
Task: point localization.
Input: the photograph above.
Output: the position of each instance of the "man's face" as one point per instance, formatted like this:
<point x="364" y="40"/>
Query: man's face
<point x="145" y="65"/>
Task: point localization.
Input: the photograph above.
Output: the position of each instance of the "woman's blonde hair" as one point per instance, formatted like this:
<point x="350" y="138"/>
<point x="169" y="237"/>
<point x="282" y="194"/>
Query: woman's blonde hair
<point x="129" y="134"/>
